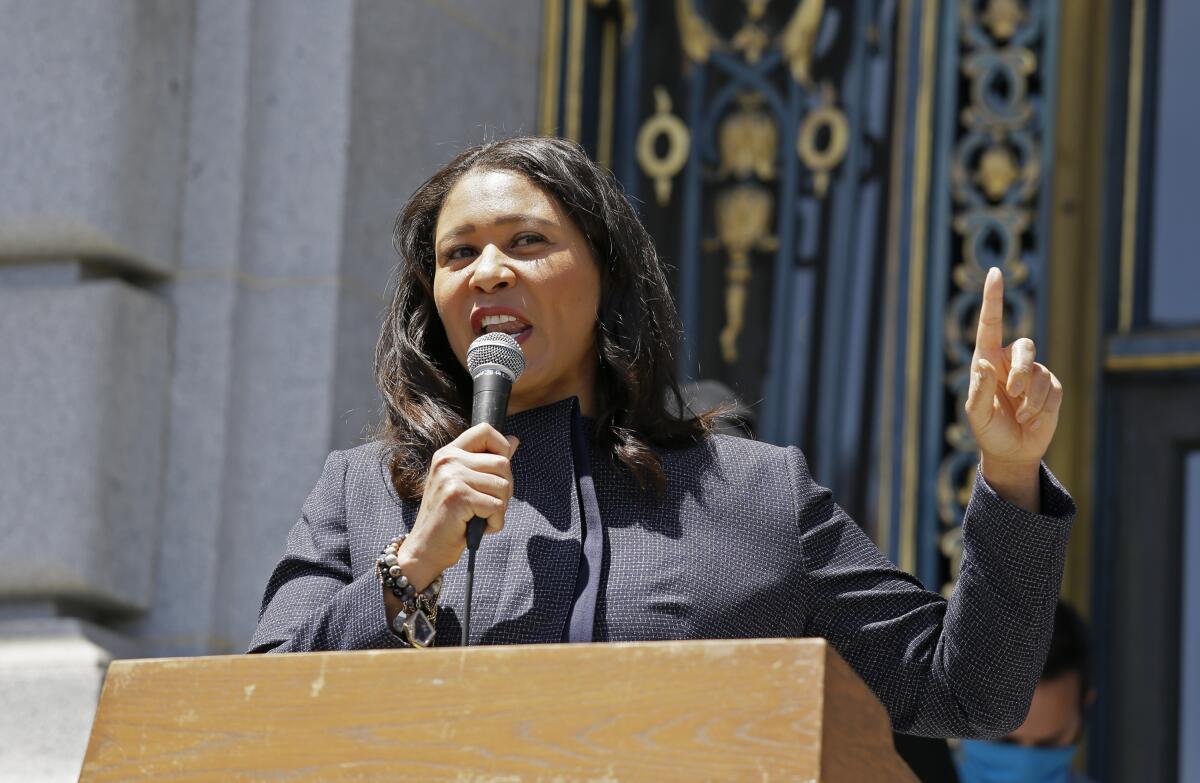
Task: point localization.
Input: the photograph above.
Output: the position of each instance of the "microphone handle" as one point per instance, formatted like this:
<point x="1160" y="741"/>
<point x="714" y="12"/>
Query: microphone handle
<point x="489" y="404"/>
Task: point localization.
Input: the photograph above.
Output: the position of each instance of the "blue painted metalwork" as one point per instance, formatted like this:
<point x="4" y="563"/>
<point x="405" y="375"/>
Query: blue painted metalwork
<point x="834" y="391"/>
<point x="820" y="378"/>
<point x="629" y="116"/>
<point x="821" y="387"/>
<point x="690" y="235"/>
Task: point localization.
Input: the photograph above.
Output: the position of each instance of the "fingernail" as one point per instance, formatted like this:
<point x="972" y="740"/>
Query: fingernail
<point x="1036" y="425"/>
<point x="1023" y="417"/>
<point x="1018" y="386"/>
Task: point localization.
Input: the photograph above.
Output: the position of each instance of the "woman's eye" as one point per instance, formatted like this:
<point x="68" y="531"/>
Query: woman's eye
<point x="459" y="253"/>
<point x="528" y="239"/>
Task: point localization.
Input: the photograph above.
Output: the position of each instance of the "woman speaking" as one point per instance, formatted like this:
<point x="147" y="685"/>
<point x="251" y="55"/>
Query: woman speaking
<point x="614" y="519"/>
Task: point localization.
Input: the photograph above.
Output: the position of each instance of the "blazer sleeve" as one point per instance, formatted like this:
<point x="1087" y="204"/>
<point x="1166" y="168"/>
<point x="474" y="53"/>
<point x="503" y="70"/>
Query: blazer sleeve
<point x="963" y="667"/>
<point x="313" y="600"/>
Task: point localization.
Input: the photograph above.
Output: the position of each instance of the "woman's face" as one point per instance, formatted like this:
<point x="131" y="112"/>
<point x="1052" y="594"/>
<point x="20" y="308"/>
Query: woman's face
<point x="509" y="258"/>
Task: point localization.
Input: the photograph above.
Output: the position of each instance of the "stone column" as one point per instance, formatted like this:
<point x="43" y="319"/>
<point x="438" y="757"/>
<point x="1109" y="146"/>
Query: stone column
<point x="91" y="147"/>
<point x="195" y="241"/>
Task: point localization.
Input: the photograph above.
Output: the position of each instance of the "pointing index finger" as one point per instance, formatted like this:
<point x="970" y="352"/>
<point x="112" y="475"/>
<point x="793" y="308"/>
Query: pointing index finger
<point x="990" y="337"/>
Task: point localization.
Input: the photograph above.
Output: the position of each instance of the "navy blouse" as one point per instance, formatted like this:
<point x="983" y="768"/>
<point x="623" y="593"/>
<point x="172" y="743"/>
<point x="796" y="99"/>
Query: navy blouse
<point x="591" y="559"/>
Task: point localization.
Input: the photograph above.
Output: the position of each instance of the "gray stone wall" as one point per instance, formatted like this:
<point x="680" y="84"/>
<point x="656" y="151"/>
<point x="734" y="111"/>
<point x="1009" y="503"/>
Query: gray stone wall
<point x="194" y="248"/>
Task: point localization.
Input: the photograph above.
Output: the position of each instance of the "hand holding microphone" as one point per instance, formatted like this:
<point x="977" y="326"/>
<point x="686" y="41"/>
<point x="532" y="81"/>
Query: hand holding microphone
<point x="470" y="477"/>
<point x="469" y="482"/>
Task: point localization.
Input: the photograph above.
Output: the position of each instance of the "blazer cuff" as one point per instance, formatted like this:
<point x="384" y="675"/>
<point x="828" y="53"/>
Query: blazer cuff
<point x="1056" y="503"/>
<point x="361" y="604"/>
<point x="1007" y="539"/>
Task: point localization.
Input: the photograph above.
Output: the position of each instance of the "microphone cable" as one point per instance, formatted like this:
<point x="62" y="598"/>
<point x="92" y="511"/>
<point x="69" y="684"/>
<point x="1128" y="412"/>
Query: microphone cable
<point x="474" y="536"/>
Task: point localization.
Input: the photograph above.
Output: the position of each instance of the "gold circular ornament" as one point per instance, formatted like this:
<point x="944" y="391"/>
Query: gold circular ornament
<point x="663" y="123"/>
<point x="821" y="161"/>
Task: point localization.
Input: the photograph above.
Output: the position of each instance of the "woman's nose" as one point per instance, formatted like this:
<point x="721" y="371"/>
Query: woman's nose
<point x="491" y="271"/>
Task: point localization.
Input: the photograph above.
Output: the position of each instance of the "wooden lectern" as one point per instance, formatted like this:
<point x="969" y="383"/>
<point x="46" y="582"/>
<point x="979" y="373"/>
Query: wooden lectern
<point x="761" y="709"/>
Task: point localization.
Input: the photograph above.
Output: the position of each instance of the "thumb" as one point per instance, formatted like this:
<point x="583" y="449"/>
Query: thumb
<point x="513" y="442"/>
<point x="981" y="394"/>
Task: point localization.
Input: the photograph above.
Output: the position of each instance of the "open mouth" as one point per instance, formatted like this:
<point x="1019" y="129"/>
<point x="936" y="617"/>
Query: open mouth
<point x="504" y="322"/>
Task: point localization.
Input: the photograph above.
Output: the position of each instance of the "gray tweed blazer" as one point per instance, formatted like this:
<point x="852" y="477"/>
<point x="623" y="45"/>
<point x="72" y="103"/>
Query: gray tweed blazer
<point x="742" y="544"/>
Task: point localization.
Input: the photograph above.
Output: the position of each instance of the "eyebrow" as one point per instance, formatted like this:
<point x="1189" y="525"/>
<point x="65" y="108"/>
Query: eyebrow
<point x="517" y="217"/>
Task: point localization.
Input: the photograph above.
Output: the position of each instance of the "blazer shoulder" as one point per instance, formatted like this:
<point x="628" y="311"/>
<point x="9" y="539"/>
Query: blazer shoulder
<point x="366" y="455"/>
<point x="763" y="458"/>
<point x="740" y="462"/>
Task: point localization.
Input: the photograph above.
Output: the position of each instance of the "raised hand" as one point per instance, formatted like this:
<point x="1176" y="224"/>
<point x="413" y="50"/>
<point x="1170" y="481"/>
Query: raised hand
<point x="1012" y="402"/>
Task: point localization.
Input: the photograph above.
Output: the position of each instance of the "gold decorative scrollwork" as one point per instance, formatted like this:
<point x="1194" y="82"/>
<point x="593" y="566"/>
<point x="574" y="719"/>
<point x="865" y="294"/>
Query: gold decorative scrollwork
<point x="799" y="36"/>
<point x="1003" y="225"/>
<point x="995" y="179"/>
<point x="828" y="120"/>
<point x="663" y="123"/>
<point x="696" y="35"/>
<point x="987" y="108"/>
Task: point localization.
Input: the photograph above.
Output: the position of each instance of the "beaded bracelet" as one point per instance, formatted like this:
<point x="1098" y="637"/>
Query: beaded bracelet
<point x="417" y="618"/>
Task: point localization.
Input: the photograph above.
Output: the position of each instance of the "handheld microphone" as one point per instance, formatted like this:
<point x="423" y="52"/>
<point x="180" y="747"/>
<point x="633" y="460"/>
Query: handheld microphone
<point x="495" y="362"/>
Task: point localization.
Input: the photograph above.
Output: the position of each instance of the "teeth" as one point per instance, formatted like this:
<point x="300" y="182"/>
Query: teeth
<point x="502" y="323"/>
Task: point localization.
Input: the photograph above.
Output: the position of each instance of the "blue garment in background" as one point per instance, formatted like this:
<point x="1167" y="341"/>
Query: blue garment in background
<point x="981" y="761"/>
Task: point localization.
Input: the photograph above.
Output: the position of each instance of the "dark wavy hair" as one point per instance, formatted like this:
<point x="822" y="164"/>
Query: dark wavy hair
<point x="426" y="392"/>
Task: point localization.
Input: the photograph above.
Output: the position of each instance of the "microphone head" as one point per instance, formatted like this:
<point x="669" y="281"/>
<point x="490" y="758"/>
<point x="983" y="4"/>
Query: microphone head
<point x="496" y="351"/>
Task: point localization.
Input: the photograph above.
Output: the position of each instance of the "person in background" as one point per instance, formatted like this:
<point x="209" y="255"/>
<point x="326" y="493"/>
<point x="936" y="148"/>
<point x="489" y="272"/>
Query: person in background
<point x="1043" y="747"/>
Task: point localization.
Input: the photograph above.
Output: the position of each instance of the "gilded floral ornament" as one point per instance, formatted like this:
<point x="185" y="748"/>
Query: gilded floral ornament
<point x="752" y="40"/>
<point x="998" y="171"/>
<point x="743" y="225"/>
<point x="749" y="141"/>
<point x="1003" y="17"/>
<point x="661" y="168"/>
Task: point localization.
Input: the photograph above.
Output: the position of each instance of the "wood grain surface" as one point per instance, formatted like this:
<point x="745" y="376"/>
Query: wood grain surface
<point x="759" y="709"/>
